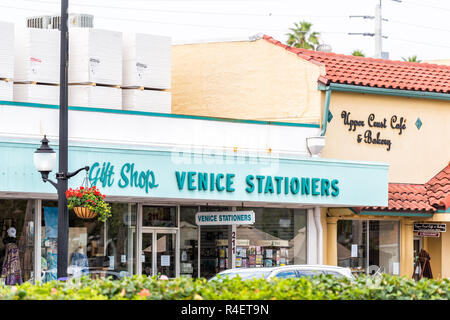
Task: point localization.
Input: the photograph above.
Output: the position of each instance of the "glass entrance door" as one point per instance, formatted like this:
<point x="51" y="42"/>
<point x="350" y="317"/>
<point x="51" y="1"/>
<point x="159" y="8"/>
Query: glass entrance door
<point x="147" y="256"/>
<point x="165" y="254"/>
<point x="158" y="254"/>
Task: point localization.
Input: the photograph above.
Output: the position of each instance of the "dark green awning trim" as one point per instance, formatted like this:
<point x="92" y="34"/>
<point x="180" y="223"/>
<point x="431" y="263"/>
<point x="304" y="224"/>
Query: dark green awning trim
<point x="393" y="214"/>
<point x="384" y="91"/>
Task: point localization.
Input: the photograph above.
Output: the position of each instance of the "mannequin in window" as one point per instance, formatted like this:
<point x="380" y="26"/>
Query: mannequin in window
<point x="11" y="271"/>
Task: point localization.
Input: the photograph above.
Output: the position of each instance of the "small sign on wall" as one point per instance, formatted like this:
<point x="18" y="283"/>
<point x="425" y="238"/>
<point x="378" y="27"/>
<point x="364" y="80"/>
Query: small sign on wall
<point x="429" y="234"/>
<point x="354" y="251"/>
<point x="430" y="227"/>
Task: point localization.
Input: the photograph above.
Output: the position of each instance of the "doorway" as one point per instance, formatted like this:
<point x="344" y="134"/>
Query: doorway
<point x="418" y="245"/>
<point x="158" y="256"/>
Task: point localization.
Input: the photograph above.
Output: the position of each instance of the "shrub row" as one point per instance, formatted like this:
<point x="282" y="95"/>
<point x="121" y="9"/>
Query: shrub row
<point x="320" y="288"/>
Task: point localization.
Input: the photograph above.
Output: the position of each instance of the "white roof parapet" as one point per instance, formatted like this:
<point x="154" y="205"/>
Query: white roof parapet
<point x="139" y="130"/>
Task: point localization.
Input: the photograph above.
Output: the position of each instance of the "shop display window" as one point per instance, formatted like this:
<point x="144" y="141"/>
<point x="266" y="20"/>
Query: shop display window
<point x="188" y="242"/>
<point x="120" y="245"/>
<point x="277" y="238"/>
<point x="94" y="248"/>
<point x="213" y="246"/>
<point x="17" y="227"/>
<point x="369" y="246"/>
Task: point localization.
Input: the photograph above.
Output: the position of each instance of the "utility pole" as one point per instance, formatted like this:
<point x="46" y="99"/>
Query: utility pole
<point x="378" y="33"/>
<point x="63" y="215"/>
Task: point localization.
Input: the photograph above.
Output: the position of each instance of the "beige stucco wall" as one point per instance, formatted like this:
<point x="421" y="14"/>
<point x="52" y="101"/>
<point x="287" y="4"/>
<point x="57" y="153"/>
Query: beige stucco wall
<point x="440" y="61"/>
<point x="244" y="80"/>
<point x="415" y="156"/>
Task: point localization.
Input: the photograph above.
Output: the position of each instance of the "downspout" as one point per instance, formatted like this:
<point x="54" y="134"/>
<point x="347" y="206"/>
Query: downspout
<point x="319" y="235"/>
<point x="326" y="110"/>
<point x="318" y="224"/>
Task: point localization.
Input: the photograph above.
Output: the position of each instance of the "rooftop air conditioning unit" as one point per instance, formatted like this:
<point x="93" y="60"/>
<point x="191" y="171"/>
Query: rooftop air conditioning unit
<point x="77" y="20"/>
<point x="39" y="22"/>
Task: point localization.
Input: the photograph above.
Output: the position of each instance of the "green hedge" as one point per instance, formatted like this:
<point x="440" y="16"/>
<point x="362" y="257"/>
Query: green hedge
<point x="320" y="288"/>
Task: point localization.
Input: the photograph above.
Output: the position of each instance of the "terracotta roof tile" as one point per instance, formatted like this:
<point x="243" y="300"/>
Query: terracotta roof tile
<point x="346" y="69"/>
<point x="428" y="197"/>
<point x="438" y="188"/>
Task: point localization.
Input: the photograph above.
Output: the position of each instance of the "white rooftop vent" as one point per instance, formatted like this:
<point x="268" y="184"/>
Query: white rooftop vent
<point x="324" y="47"/>
<point x="255" y="37"/>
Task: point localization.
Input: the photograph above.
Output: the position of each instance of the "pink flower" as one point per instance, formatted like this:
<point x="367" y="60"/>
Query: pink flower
<point x="163" y="277"/>
<point x="144" y="293"/>
<point x="53" y="291"/>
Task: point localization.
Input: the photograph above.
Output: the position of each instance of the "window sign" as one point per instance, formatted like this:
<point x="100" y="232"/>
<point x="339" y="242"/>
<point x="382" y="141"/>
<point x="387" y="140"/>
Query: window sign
<point x="165" y="260"/>
<point x="354" y="251"/>
<point x="224" y="218"/>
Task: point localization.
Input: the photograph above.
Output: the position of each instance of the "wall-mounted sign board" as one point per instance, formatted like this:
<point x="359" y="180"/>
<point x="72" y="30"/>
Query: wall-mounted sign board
<point x="432" y="227"/>
<point x="429" y="234"/>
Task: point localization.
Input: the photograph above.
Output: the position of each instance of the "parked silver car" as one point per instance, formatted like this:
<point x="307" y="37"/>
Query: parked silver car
<point x="292" y="271"/>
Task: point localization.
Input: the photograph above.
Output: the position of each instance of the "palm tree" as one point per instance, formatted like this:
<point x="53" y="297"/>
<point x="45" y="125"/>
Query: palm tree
<point x="302" y="36"/>
<point x="358" y="53"/>
<point x="411" y="59"/>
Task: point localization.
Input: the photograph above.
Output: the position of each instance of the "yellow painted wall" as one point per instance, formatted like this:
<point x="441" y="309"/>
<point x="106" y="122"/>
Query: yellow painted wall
<point x="445" y="253"/>
<point x="415" y="155"/>
<point x="435" y="251"/>
<point x="245" y="80"/>
<point x="441" y="61"/>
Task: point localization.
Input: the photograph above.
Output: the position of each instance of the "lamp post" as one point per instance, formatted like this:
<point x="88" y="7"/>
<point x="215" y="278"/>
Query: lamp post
<point x="45" y="157"/>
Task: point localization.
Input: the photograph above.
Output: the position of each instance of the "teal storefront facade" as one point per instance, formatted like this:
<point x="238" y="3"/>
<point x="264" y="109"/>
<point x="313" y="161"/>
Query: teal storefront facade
<point x="166" y="175"/>
<point x="155" y="195"/>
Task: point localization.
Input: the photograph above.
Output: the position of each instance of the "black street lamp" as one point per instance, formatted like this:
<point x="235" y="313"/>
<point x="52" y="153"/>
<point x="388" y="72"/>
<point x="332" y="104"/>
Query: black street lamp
<point x="45" y="157"/>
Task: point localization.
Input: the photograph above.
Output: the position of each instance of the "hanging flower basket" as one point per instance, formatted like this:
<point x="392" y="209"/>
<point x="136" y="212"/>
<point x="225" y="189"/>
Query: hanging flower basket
<point x="84" y="212"/>
<point x="88" y="203"/>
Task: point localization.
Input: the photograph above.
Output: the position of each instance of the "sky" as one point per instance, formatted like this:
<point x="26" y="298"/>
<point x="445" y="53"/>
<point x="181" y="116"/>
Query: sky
<point x="413" y="27"/>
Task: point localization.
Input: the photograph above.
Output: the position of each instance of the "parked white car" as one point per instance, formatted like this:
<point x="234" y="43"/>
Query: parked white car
<point x="291" y="271"/>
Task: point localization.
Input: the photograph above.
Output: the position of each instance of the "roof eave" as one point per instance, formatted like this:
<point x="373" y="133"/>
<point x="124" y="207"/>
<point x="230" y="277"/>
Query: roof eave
<point x="382" y="91"/>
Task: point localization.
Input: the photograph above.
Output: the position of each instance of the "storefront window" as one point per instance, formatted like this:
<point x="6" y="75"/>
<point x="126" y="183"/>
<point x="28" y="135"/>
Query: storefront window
<point x="17" y="232"/>
<point x="352" y="244"/>
<point x="121" y="239"/>
<point x="382" y="239"/>
<point x="213" y="246"/>
<point x="94" y="248"/>
<point x="188" y="242"/>
<point x="277" y="238"/>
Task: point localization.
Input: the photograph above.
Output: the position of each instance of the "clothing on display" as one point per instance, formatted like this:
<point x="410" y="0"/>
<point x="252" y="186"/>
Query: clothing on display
<point x="11" y="271"/>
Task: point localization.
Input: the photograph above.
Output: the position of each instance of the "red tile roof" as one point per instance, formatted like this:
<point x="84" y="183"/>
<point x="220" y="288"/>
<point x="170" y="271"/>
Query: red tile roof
<point x="438" y="188"/>
<point x="428" y="197"/>
<point x="406" y="197"/>
<point x="362" y="71"/>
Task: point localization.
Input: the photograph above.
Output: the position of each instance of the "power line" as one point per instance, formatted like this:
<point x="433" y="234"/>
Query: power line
<point x="21" y="8"/>
<point x="427" y="5"/>
<point x="208" y="26"/>
<point x="419" y="26"/>
<point x="419" y="42"/>
<point x="270" y="14"/>
<point x="179" y="24"/>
